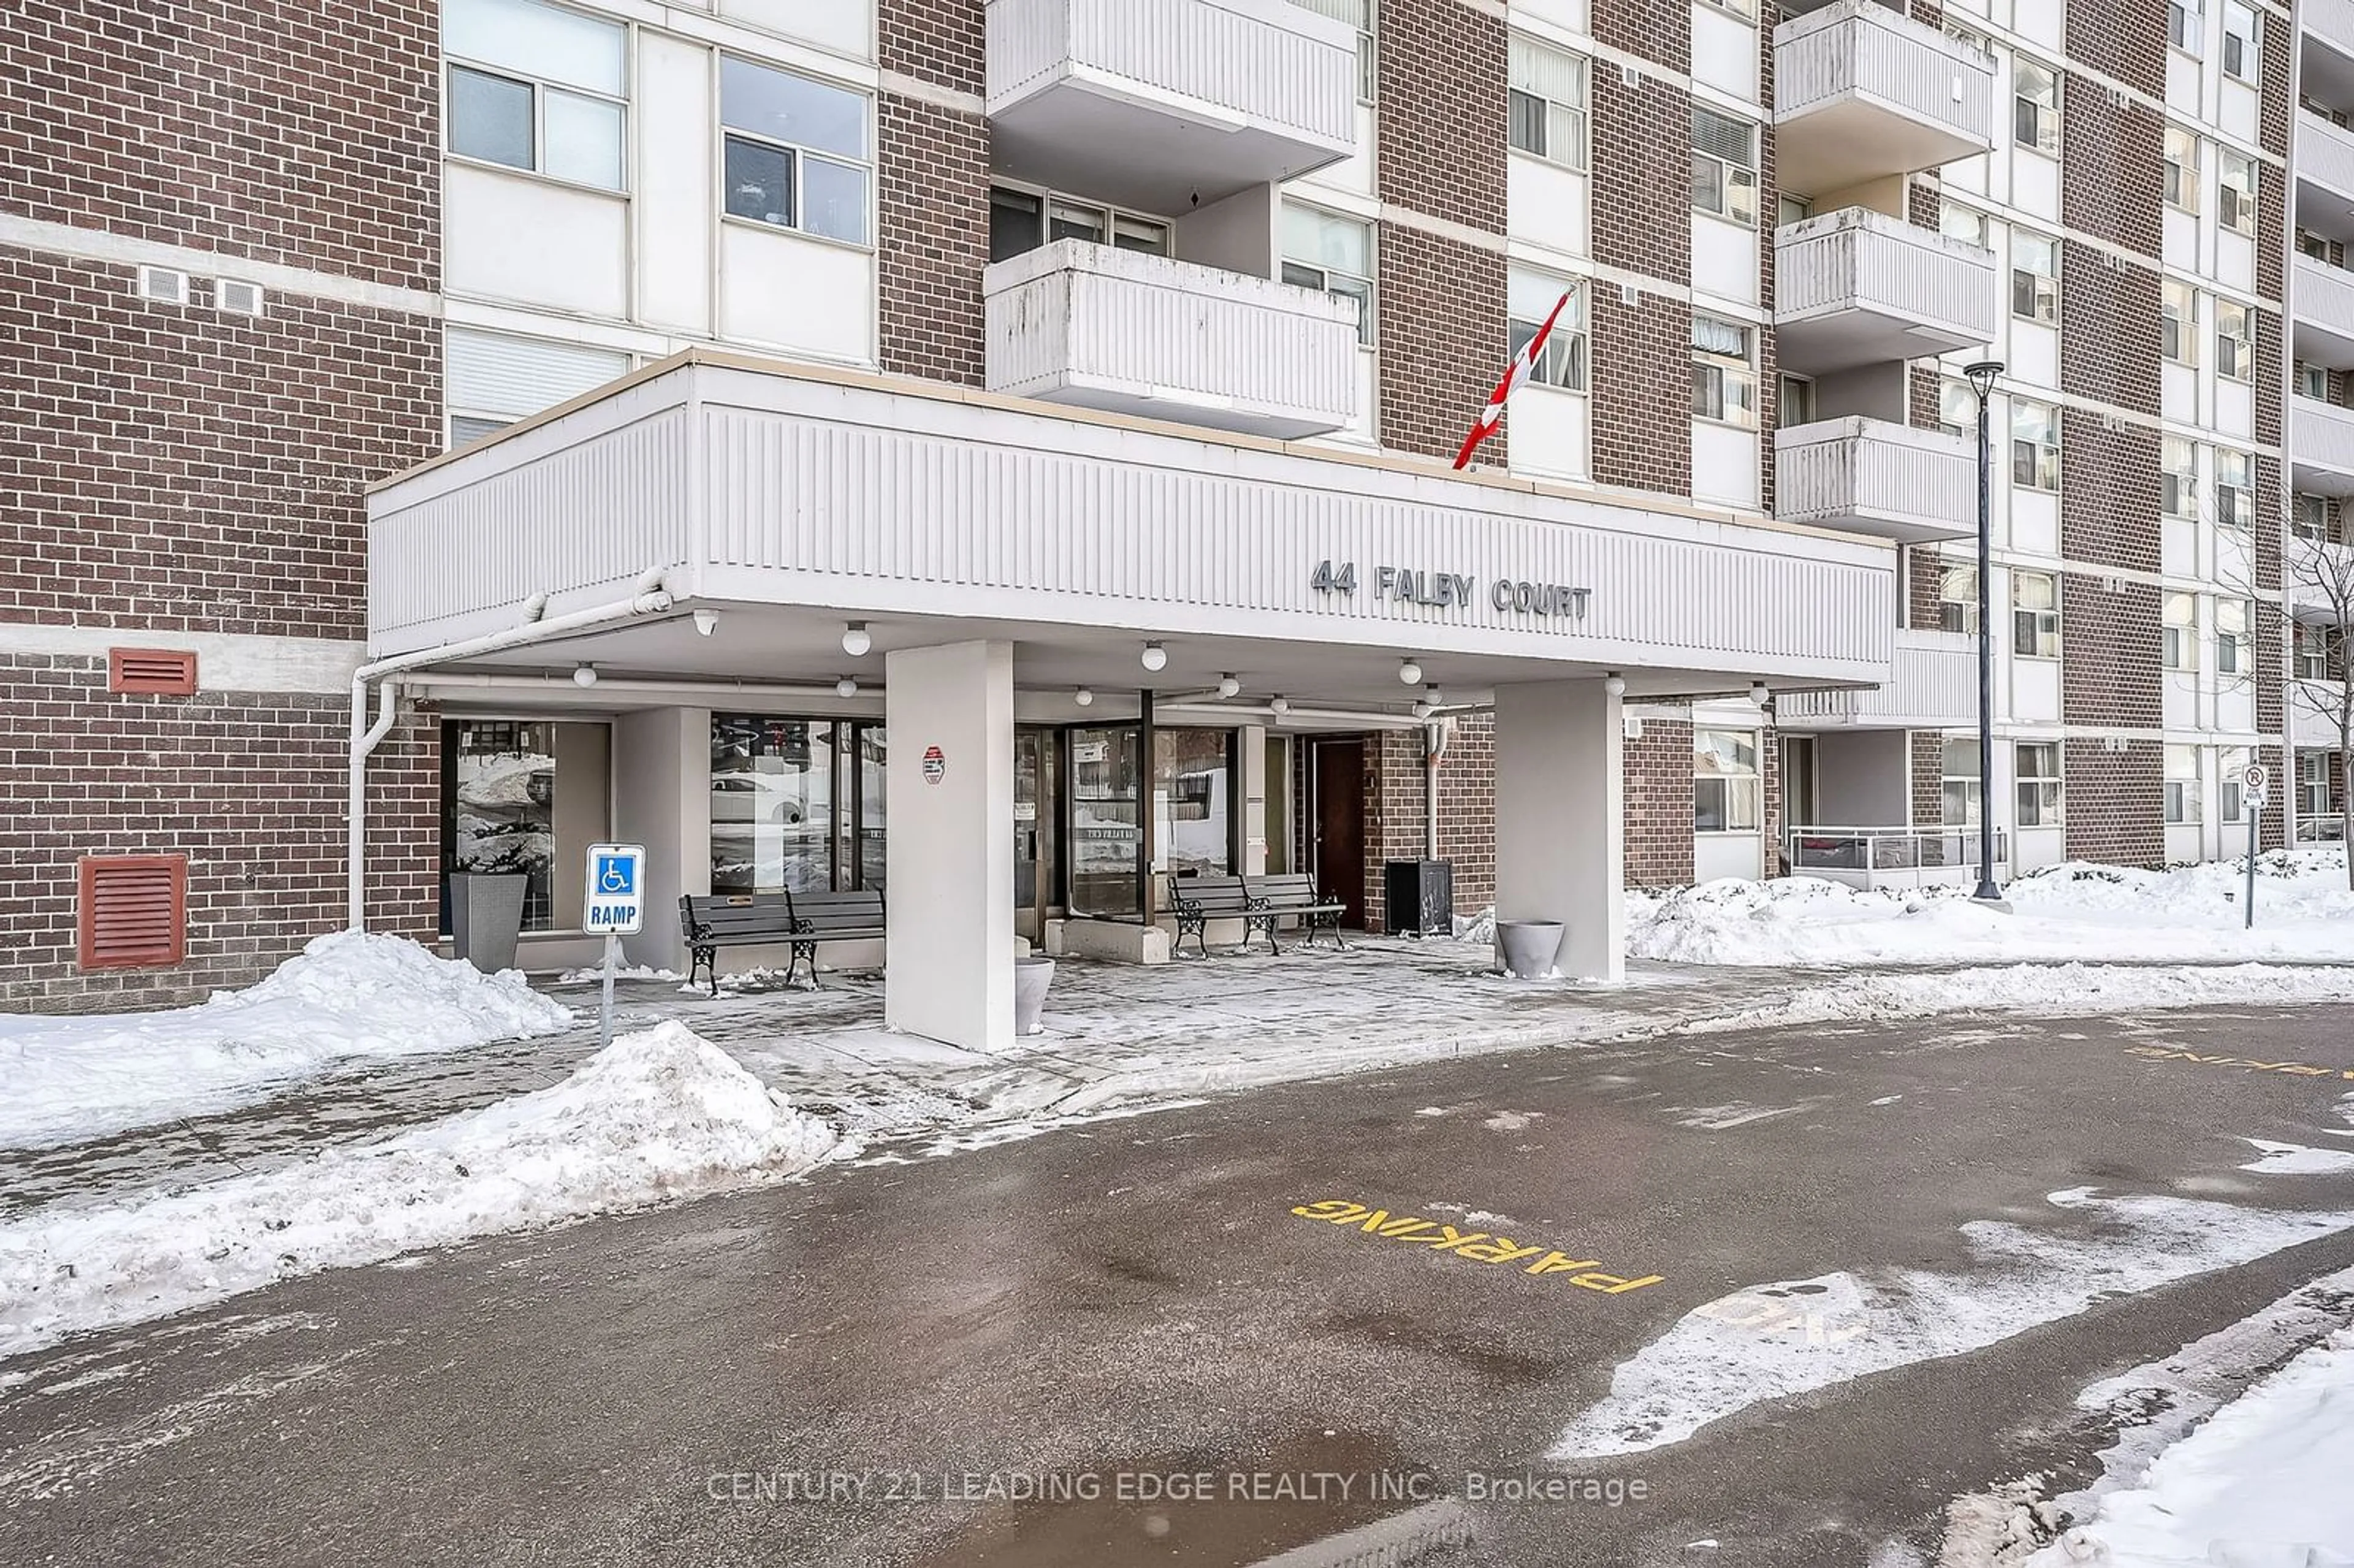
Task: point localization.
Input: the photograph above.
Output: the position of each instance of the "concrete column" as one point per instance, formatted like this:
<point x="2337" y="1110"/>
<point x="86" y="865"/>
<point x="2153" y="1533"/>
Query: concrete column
<point x="1560" y="827"/>
<point x="1252" y="742"/>
<point x="662" y="798"/>
<point x="948" y="972"/>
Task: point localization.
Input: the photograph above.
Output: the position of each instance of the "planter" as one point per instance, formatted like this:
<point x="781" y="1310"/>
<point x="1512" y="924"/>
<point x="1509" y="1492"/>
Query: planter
<point x="485" y="914"/>
<point x="1525" y="949"/>
<point x="1031" y="978"/>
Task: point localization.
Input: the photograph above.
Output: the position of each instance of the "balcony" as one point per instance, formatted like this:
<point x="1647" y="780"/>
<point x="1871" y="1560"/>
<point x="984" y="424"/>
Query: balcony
<point x="1151" y="104"/>
<point x="1086" y="325"/>
<point x="2321" y="447"/>
<point x="2311" y="709"/>
<point x="1861" y="92"/>
<point x="2318" y="577"/>
<point x="1867" y="476"/>
<point x="2321" y="304"/>
<point x="2331" y="22"/>
<point x="2323" y="161"/>
<point x="1857" y="287"/>
<point x="1933" y="683"/>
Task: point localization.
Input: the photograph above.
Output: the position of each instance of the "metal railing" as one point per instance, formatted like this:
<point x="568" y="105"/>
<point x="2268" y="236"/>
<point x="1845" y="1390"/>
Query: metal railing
<point x="2330" y="829"/>
<point x="1817" y="849"/>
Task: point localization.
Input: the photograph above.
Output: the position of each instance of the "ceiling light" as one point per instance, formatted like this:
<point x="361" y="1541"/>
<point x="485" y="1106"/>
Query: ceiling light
<point x="1156" y="657"/>
<point x="584" y="674"/>
<point x="1422" y="710"/>
<point x="707" y="621"/>
<point x="1759" y="693"/>
<point x="845" y="687"/>
<point x="1410" y="672"/>
<point x="1230" y="685"/>
<point x="1084" y="697"/>
<point x="1279" y="705"/>
<point x="855" y="640"/>
<point x="1614" y="684"/>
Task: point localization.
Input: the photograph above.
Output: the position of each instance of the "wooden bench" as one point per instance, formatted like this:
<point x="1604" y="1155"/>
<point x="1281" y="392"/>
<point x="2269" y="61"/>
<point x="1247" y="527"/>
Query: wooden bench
<point x="803" y="920"/>
<point x="1294" y="893"/>
<point x="730" y="920"/>
<point x="1198" y="900"/>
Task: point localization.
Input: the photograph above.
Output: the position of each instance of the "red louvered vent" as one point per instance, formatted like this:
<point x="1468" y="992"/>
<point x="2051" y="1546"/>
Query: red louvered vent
<point x="158" y="672"/>
<point x="133" y="911"/>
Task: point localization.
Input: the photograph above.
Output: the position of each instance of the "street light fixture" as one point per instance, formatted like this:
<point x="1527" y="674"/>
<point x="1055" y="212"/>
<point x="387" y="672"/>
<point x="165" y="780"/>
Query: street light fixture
<point x="1981" y="379"/>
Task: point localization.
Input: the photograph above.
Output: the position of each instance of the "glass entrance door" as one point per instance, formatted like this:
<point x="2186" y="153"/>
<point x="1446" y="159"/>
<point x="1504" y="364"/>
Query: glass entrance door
<point x="1108" y="821"/>
<point x="1037" y="819"/>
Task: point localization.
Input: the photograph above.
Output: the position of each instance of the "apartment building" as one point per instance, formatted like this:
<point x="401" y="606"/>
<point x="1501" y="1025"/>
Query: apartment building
<point x="1058" y="393"/>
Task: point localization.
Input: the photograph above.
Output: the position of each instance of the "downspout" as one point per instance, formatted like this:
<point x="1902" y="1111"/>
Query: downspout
<point x="363" y="743"/>
<point x="1434" y="736"/>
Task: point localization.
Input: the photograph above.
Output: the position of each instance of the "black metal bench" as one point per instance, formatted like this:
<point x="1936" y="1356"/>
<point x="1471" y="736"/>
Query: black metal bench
<point x="731" y="921"/>
<point x="1294" y="893"/>
<point x="805" y="920"/>
<point x="1198" y="900"/>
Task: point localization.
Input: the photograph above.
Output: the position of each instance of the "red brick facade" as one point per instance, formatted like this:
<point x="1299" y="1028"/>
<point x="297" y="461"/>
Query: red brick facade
<point x="1396" y="814"/>
<point x="1659" y="836"/>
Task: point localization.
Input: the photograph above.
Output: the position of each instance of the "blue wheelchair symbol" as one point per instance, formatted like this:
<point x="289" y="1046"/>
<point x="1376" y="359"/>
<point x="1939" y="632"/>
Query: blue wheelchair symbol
<point x="616" y="876"/>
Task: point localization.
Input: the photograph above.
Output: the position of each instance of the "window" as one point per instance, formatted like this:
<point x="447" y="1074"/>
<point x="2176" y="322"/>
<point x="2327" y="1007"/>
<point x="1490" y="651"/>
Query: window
<point x="1530" y="298"/>
<point x="2308" y="516"/>
<point x="1795" y="401"/>
<point x="2182" y="169"/>
<point x="2034" y="277"/>
<point x="1960" y="223"/>
<point x="1724" y="781"/>
<point x="1958" y="599"/>
<point x="2177" y="324"/>
<point x="1745" y="9"/>
<point x="1192" y="776"/>
<point x="1022" y="220"/>
<point x="2312" y="380"/>
<point x="1724" y="165"/>
<point x="1545" y="106"/>
<point x="2235" y="341"/>
<point x="2182" y="784"/>
<point x="2243" y="41"/>
<point x="795" y="151"/>
<point x="795" y="804"/>
<point x="2039" y="783"/>
<point x="499" y="780"/>
<point x="1957" y="408"/>
<point x="2182" y="633"/>
<point x="2034" y="444"/>
<point x="2234" y="637"/>
<point x="2035" y="615"/>
<point x="1790" y="209"/>
<point x="2311" y="244"/>
<point x="2312" y="652"/>
<point x="2035" y="106"/>
<point x="1333" y="254"/>
<point x="2312" y="784"/>
<point x="465" y="430"/>
<point x="533" y="87"/>
<point x="2235" y="192"/>
<point x="1964" y="792"/>
<point x="1724" y="378"/>
<point x="2233" y="760"/>
<point x="2185" y="25"/>
<point x="1358" y="14"/>
<point x="2178" y="477"/>
<point x="2235" y="495"/>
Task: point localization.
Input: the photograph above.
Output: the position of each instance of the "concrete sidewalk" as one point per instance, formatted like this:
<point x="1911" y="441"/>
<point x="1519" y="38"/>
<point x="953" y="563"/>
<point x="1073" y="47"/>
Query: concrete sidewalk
<point x="1115" y="1035"/>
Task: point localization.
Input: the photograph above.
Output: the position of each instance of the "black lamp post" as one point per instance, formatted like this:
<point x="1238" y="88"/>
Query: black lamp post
<point x="1981" y="379"/>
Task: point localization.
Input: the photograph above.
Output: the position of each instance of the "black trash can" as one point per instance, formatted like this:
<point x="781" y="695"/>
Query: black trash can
<point x="1419" y="897"/>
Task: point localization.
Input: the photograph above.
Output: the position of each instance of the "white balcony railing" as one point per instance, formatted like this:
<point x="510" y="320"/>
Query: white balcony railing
<point x="1151" y="104"/>
<point x="2318" y="577"/>
<point x="1933" y="682"/>
<point x="1857" y="287"/>
<point x="1862" y="92"/>
<point x="2313" y="715"/>
<point x="1868" y="476"/>
<point x="1892" y="857"/>
<point x="2321" y="437"/>
<point x="2324" y="155"/>
<point x="1086" y="325"/>
<point x="2331" y="21"/>
<point x="2321" y="303"/>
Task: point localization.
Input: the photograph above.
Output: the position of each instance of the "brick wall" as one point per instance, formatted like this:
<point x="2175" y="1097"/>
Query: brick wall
<point x="1924" y="574"/>
<point x="1395" y="817"/>
<point x="1442" y="338"/>
<point x="2109" y="653"/>
<point x="1928" y="778"/>
<point x="2113" y="802"/>
<point x="2108" y="490"/>
<point x="1659" y="833"/>
<point x="1642" y="195"/>
<point x="1657" y="30"/>
<point x="249" y="786"/>
<point x="2109" y="329"/>
<point x="203" y="122"/>
<point x="2120" y="39"/>
<point x="932" y="191"/>
<point x="1643" y="404"/>
<point x="2112" y="159"/>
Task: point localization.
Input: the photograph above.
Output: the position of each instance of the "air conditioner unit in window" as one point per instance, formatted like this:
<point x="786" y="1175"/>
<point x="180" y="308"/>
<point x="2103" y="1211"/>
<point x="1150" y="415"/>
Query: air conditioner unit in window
<point x="237" y="296"/>
<point x="163" y="285"/>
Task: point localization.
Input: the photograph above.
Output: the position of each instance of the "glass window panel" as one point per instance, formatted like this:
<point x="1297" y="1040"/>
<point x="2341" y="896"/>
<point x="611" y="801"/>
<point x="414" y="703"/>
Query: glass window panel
<point x="489" y="118"/>
<point x="1359" y="293"/>
<point x="544" y="41"/>
<point x="873" y="753"/>
<point x="1106" y="827"/>
<point x="466" y="428"/>
<point x="1961" y="758"/>
<point x="1069" y="220"/>
<point x="502" y="817"/>
<point x="834" y="200"/>
<point x="1191" y="801"/>
<point x="788" y="107"/>
<point x="1524" y="122"/>
<point x="760" y="182"/>
<point x="1321" y="240"/>
<point x="1141" y="235"/>
<point x="1016" y="223"/>
<point x="584" y="140"/>
<point x="772" y="805"/>
<point x="1531" y="296"/>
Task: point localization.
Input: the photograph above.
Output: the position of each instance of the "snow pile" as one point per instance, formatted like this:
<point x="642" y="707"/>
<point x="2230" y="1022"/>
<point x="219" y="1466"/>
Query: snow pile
<point x="1790" y="1336"/>
<point x="2060" y="990"/>
<point x="594" y="974"/>
<point x="2261" y="1483"/>
<point x="2304" y="913"/>
<point x="655" y="1115"/>
<point x="349" y="994"/>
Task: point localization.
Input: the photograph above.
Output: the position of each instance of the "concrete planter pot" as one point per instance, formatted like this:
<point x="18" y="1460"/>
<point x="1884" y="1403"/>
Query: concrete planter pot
<point x="1525" y="949"/>
<point x="1031" y="976"/>
<point x="485" y="915"/>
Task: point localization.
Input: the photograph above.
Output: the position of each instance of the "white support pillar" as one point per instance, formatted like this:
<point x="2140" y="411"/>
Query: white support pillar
<point x="948" y="973"/>
<point x="1560" y="823"/>
<point x="662" y="798"/>
<point x="1252" y="740"/>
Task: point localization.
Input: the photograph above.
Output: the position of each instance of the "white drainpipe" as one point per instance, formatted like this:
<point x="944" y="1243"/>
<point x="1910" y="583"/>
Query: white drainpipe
<point x="650" y="599"/>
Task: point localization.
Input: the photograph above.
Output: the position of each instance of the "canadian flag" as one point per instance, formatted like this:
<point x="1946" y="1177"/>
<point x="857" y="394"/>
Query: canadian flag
<point x="1523" y="366"/>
